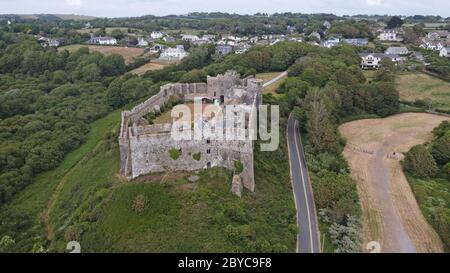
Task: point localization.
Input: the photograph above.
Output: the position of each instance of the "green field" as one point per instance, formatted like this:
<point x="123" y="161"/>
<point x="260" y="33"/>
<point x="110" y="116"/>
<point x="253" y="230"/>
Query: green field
<point x="419" y="86"/>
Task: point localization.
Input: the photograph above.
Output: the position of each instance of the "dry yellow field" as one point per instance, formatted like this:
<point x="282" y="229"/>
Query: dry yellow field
<point x="419" y="86"/>
<point x="128" y="53"/>
<point x="391" y="214"/>
<point x="150" y="66"/>
<point x="267" y="77"/>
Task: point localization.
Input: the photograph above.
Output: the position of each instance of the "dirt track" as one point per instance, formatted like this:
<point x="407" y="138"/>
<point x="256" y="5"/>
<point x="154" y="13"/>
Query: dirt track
<point x="391" y="215"/>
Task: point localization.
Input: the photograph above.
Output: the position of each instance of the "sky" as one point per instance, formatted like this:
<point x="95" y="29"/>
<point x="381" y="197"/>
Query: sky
<point x="126" y="8"/>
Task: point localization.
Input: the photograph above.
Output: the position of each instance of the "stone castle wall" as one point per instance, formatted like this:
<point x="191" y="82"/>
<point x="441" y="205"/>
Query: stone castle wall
<point x="145" y="149"/>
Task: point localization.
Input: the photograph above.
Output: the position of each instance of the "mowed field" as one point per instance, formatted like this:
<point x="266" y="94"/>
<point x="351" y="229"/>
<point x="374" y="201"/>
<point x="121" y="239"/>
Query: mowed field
<point x="151" y="66"/>
<point x="419" y="86"/>
<point x="391" y="214"/>
<point x="128" y="53"/>
<point x="267" y="77"/>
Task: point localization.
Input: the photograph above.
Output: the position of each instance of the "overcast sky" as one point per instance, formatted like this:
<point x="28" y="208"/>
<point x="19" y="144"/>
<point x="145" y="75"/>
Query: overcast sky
<point x="123" y="8"/>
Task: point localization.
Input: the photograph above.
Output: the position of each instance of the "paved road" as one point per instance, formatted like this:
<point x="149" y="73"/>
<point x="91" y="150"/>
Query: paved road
<point x="308" y="235"/>
<point x="277" y="78"/>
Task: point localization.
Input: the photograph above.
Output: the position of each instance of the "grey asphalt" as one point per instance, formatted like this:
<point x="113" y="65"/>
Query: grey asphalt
<point x="308" y="236"/>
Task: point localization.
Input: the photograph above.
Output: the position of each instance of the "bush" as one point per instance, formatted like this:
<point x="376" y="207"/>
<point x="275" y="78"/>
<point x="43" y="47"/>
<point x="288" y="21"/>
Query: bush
<point x="197" y="156"/>
<point x="238" y="167"/>
<point x="419" y="162"/>
<point x="140" y="204"/>
<point x="174" y="153"/>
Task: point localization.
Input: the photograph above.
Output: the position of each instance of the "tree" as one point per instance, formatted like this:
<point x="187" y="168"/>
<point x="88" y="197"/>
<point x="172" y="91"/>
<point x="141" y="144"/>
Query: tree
<point x="440" y="149"/>
<point x="394" y="22"/>
<point x="419" y="162"/>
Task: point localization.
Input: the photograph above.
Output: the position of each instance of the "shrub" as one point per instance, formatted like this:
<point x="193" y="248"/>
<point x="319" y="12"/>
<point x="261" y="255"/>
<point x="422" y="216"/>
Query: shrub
<point x="238" y="167"/>
<point x="174" y="153"/>
<point x="419" y="162"/>
<point x="197" y="156"/>
<point x="140" y="204"/>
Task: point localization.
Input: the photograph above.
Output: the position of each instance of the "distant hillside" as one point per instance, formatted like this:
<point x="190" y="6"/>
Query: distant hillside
<point x="47" y="17"/>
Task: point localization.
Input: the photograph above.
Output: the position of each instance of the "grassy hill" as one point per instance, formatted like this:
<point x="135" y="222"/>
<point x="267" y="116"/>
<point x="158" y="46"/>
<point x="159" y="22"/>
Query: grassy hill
<point x="84" y="199"/>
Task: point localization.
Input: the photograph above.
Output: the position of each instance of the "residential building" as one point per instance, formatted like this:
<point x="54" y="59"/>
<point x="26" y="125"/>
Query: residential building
<point x="397" y="50"/>
<point x="331" y="42"/>
<point x="356" y="41"/>
<point x="142" y="42"/>
<point x="327" y="24"/>
<point x="156" y="35"/>
<point x="223" y="50"/>
<point x="103" y="40"/>
<point x="373" y="60"/>
<point x="190" y="38"/>
<point x="390" y="35"/>
<point x="445" y="52"/>
<point x="176" y="53"/>
<point x="169" y="39"/>
<point x="431" y="44"/>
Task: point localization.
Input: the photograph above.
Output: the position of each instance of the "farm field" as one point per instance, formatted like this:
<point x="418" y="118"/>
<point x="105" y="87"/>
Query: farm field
<point x="267" y="77"/>
<point x="151" y="66"/>
<point x="128" y="53"/>
<point x="419" y="86"/>
<point x="391" y="214"/>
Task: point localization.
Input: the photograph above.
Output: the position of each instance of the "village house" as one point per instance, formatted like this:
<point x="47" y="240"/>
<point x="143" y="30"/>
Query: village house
<point x="389" y="35"/>
<point x="373" y="60"/>
<point x="431" y="44"/>
<point x="177" y="53"/>
<point x="397" y="50"/>
<point x="445" y="52"/>
<point x="103" y="41"/>
<point x="331" y="42"/>
<point x="52" y="42"/>
<point x="157" y="48"/>
<point x="356" y="41"/>
<point x="169" y="39"/>
<point x="327" y="24"/>
<point x="315" y="34"/>
<point x="223" y="50"/>
<point x="142" y="42"/>
<point x="156" y="35"/>
<point x="241" y="48"/>
<point x="190" y="38"/>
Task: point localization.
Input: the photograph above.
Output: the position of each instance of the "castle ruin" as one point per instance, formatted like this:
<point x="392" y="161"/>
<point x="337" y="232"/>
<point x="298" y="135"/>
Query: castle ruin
<point x="145" y="148"/>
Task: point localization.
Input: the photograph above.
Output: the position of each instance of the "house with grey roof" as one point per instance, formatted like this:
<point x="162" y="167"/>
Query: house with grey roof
<point x="356" y="41"/>
<point x="399" y="50"/>
<point x="445" y="52"/>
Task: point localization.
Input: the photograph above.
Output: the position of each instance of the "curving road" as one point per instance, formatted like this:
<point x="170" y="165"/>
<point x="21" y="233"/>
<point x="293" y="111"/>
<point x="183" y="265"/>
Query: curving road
<point x="308" y="234"/>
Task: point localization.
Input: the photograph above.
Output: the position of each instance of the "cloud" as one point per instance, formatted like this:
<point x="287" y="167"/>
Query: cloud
<point x="373" y="3"/>
<point x="73" y="2"/>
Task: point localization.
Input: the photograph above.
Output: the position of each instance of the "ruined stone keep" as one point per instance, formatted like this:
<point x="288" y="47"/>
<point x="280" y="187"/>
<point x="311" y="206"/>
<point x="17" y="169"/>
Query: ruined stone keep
<point x="146" y="148"/>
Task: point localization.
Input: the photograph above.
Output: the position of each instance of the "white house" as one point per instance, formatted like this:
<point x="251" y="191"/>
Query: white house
<point x="389" y="35"/>
<point x="431" y="44"/>
<point x="331" y="42"/>
<point x="142" y="42"/>
<point x="327" y="24"/>
<point x="103" y="40"/>
<point x="176" y="53"/>
<point x="445" y="52"/>
<point x="156" y="35"/>
<point x="373" y="60"/>
<point x="190" y="38"/>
